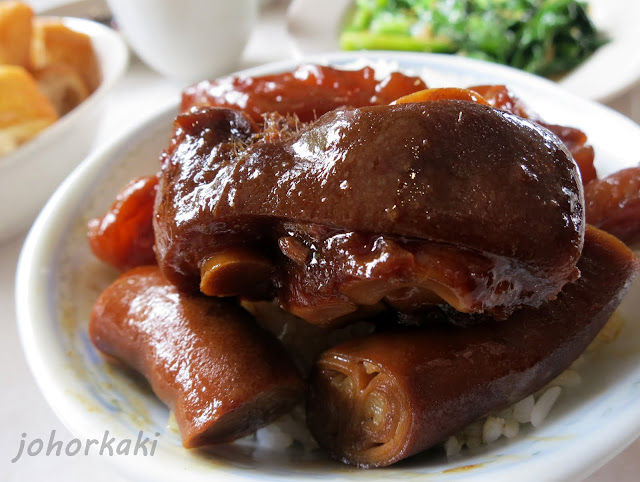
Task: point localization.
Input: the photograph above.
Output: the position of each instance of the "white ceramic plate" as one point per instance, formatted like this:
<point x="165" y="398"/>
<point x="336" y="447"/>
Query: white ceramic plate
<point x="315" y="28"/>
<point x="58" y="280"/>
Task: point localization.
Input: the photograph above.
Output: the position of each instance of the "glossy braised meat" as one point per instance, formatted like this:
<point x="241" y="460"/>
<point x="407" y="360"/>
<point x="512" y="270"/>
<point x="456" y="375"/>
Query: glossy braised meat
<point x="456" y="186"/>
<point x="613" y="204"/>
<point x="309" y="89"/>
<point x="123" y="237"/>
<point x="379" y="399"/>
<point x="308" y="92"/>
<point x="330" y="278"/>
<point x="576" y="141"/>
<point x="207" y="359"/>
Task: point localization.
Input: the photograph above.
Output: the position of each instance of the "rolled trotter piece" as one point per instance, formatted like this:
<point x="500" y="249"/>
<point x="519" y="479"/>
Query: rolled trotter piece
<point x="450" y="172"/>
<point x="207" y="359"/>
<point x="613" y="204"/>
<point x="308" y="92"/>
<point x="379" y="399"/>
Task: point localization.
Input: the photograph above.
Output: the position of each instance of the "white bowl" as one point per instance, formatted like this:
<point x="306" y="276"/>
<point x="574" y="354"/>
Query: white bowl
<point x="190" y="39"/>
<point x="30" y="174"/>
<point x="58" y="280"/>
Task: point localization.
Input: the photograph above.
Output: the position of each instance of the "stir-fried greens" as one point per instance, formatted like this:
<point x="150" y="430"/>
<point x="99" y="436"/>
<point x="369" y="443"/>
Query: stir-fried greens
<point x="546" y="37"/>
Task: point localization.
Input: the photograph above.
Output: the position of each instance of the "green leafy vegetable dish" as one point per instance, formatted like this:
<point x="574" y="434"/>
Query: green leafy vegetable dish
<point x="546" y="37"/>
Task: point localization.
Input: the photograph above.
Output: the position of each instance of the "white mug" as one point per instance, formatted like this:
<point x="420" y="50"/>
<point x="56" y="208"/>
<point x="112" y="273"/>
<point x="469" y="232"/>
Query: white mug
<point x="187" y="39"/>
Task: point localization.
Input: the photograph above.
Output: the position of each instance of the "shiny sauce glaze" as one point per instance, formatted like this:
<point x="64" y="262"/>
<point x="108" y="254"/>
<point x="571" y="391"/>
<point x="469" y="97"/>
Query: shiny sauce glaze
<point x="206" y="358"/>
<point x="308" y="92"/>
<point x="451" y="172"/>
<point x="379" y="399"/>
<point x="330" y="278"/>
<point x="500" y="97"/>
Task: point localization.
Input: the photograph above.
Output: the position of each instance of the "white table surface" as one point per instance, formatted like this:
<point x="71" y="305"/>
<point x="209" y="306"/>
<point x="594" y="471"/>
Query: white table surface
<point x="24" y="409"/>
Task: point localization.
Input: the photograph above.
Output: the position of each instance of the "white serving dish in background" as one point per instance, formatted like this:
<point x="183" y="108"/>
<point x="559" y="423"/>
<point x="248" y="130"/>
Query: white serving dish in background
<point x="30" y="174"/>
<point x="189" y="40"/>
<point x="614" y="68"/>
<point x="58" y="280"/>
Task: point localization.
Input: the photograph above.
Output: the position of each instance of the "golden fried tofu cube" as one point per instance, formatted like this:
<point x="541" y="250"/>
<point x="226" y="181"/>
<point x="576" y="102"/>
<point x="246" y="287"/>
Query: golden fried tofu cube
<point x="62" y="85"/>
<point x="15" y="33"/>
<point x="54" y="43"/>
<point x="24" y="110"/>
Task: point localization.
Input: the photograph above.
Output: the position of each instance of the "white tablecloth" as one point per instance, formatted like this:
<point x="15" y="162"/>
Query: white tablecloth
<point x="23" y="407"/>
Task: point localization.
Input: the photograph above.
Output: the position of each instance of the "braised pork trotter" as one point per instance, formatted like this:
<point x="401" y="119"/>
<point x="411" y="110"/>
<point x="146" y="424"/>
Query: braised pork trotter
<point x="206" y="358"/>
<point x="379" y="399"/>
<point x="435" y="187"/>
